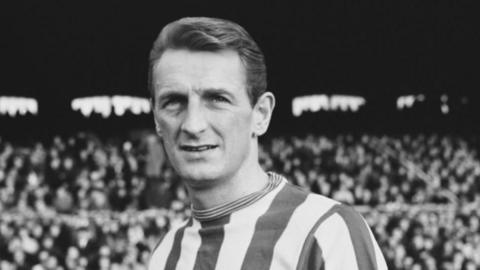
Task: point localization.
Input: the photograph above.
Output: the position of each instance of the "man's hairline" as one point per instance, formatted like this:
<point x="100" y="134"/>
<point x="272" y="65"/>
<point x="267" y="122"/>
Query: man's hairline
<point x="154" y="63"/>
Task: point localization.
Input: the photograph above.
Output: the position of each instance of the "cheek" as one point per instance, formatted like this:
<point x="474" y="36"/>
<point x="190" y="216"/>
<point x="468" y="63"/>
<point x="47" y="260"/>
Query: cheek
<point x="166" y="124"/>
<point x="244" y="120"/>
<point x="237" y="124"/>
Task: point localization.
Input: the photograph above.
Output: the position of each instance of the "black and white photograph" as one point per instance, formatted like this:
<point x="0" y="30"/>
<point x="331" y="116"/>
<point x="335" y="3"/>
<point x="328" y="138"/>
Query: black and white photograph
<point x="215" y="135"/>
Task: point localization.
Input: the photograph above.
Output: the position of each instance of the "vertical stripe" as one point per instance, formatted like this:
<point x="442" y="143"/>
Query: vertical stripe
<point x="288" y="248"/>
<point x="189" y="247"/>
<point x="176" y="248"/>
<point x="362" y="242"/>
<point x="334" y="239"/>
<point x="270" y="226"/>
<point x="314" y="259"/>
<point x="240" y="230"/>
<point x="304" y="261"/>
<point x="158" y="260"/>
<point x="381" y="263"/>
<point x="365" y="250"/>
<point x="211" y="234"/>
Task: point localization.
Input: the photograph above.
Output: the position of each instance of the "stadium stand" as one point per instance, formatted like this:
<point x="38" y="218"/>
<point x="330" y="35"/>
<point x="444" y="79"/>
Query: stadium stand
<point x="81" y="202"/>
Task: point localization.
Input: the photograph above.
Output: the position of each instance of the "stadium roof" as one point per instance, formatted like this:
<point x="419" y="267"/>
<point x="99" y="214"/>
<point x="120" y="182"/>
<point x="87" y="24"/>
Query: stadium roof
<point x="56" y="51"/>
<point x="76" y="48"/>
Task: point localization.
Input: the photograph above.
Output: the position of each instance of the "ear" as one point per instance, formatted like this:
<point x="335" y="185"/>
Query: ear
<point x="262" y="113"/>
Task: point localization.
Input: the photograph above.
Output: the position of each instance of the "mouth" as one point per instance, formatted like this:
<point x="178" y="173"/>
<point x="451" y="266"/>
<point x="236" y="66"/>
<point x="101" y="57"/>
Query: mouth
<point x="197" y="148"/>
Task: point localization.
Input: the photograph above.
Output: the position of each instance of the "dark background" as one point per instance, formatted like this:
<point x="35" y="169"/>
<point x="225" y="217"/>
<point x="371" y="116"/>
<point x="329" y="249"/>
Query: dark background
<point x="55" y="51"/>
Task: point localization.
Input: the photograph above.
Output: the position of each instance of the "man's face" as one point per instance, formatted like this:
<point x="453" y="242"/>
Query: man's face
<point x="202" y="113"/>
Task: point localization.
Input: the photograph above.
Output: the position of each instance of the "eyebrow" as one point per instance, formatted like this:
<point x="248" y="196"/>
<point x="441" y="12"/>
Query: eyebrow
<point x="169" y="92"/>
<point x="218" y="91"/>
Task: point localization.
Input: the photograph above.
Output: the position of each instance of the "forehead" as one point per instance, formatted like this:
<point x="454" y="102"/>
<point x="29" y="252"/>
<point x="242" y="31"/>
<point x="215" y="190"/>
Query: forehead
<point x="185" y="69"/>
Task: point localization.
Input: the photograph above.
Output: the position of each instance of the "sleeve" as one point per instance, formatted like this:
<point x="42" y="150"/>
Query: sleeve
<point x="344" y="241"/>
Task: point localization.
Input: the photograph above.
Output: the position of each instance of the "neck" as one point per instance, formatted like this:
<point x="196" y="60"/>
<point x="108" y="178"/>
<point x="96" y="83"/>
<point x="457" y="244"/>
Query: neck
<point x="227" y="190"/>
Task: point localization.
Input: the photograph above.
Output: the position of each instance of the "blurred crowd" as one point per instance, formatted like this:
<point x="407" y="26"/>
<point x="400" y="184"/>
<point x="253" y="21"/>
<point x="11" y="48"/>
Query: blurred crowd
<point x="87" y="240"/>
<point x="372" y="170"/>
<point x="81" y="202"/>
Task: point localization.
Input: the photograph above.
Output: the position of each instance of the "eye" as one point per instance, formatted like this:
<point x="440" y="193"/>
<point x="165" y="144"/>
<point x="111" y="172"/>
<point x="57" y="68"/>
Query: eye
<point x="219" y="99"/>
<point x="172" y="103"/>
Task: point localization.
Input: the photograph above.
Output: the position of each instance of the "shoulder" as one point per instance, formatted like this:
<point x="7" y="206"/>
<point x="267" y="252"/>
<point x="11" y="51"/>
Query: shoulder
<point x="346" y="241"/>
<point x="339" y="236"/>
<point x="302" y="208"/>
<point x="316" y="203"/>
<point x="323" y="206"/>
<point x="340" y="218"/>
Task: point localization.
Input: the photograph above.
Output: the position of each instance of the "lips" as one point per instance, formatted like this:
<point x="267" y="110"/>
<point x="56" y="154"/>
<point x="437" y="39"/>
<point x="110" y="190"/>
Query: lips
<point x="197" y="148"/>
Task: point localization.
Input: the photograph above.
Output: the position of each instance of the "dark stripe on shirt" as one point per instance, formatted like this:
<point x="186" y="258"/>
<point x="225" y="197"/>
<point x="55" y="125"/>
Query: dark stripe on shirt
<point x="362" y="242"/>
<point x="212" y="234"/>
<point x="172" y="259"/>
<point x="270" y="226"/>
<point x="311" y="255"/>
<point x="314" y="259"/>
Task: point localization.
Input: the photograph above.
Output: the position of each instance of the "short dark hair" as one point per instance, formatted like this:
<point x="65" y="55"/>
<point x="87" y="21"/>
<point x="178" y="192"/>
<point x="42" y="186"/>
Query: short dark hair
<point x="212" y="34"/>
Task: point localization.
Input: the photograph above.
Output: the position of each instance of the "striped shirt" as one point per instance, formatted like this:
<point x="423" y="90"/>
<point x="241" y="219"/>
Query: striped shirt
<point x="280" y="228"/>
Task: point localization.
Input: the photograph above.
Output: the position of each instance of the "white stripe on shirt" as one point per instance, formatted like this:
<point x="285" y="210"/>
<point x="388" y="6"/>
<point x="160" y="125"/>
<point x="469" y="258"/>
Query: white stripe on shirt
<point x="164" y="248"/>
<point x="333" y="237"/>
<point x="189" y="250"/>
<point x="289" y="246"/>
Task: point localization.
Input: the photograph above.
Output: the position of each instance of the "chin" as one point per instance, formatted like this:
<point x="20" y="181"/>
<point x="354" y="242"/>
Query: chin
<point x="199" y="175"/>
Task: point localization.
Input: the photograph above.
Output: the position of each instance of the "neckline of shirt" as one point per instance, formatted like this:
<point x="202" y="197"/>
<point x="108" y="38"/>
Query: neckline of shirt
<point x="229" y="207"/>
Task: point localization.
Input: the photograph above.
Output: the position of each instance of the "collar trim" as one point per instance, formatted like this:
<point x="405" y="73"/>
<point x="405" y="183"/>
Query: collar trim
<point x="227" y="208"/>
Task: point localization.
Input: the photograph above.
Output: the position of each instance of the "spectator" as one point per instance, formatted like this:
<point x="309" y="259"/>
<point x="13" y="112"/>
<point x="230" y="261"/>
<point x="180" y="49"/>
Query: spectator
<point x="420" y="194"/>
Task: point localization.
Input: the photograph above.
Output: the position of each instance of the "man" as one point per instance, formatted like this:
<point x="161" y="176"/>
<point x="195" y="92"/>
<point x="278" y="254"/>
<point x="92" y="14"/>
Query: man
<point x="210" y="104"/>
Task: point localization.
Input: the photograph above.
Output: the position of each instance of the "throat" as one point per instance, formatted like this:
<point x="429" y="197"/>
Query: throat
<point x="213" y="192"/>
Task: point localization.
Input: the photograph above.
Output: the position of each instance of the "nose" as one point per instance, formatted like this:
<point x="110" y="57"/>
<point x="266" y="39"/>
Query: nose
<point x="194" y="122"/>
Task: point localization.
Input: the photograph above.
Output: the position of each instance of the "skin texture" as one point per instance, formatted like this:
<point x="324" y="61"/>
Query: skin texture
<point x="208" y="127"/>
